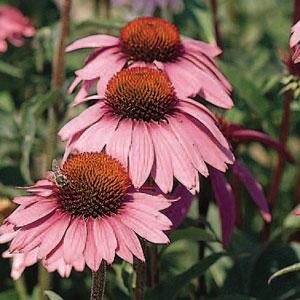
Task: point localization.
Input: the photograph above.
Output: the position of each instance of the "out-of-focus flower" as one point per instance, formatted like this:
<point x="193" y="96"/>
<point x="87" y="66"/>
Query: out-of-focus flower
<point x="148" y="6"/>
<point x="294" y="42"/>
<point x="84" y="213"/>
<point x="6" y="207"/>
<point x="149" y="129"/>
<point x="13" y="26"/>
<point x="221" y="187"/>
<point x="188" y="64"/>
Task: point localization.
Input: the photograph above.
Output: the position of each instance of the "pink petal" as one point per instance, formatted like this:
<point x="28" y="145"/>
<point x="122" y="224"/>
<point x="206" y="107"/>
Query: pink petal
<point x="32" y="213"/>
<point x="93" y="41"/>
<point x="226" y="204"/>
<point x="27" y="200"/>
<point x="84" y="120"/>
<point x="74" y="240"/>
<point x="295" y="38"/>
<point x="54" y="235"/>
<point x="254" y="188"/>
<point x="98" y="135"/>
<point x="162" y="170"/>
<point x="127" y="236"/>
<point x="207" y="49"/>
<point x="185" y="138"/>
<point x="143" y="228"/>
<point x="119" y="144"/>
<point x="105" y="239"/>
<point x="192" y="109"/>
<point x="182" y="166"/>
<point x="141" y="155"/>
<point x="178" y="211"/>
<point x="91" y="253"/>
<point x="82" y="95"/>
<point x="103" y="65"/>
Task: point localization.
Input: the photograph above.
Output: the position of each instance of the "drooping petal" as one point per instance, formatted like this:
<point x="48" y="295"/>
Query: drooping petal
<point x="54" y="235"/>
<point x="254" y="188"/>
<point x="162" y="170"/>
<point x="246" y="135"/>
<point x="96" y="137"/>
<point x="127" y="236"/>
<point x="74" y="240"/>
<point x="202" y="47"/>
<point x="84" y="120"/>
<point x="93" y="41"/>
<point x="105" y="239"/>
<point x="120" y="142"/>
<point x="92" y="256"/>
<point x="141" y="154"/>
<point x="225" y="201"/>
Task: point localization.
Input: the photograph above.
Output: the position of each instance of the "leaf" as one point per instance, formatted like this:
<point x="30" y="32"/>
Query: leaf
<point x="247" y="91"/>
<point x="235" y="297"/>
<point x="292" y="268"/>
<point x="9" y="295"/>
<point x="31" y="111"/>
<point x="170" y="289"/>
<point x="10" y="70"/>
<point x="192" y="233"/>
<point x="53" y="296"/>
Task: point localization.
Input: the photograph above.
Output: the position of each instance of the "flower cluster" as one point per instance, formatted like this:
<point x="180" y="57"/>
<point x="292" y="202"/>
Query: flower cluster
<point x="143" y="134"/>
<point x="13" y="26"/>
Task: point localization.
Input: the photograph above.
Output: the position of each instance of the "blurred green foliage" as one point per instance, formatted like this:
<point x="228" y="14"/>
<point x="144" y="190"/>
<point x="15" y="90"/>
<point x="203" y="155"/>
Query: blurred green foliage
<point x="253" y="34"/>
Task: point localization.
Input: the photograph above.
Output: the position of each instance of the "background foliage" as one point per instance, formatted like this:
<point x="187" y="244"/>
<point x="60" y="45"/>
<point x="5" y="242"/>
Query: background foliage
<point x="253" y="34"/>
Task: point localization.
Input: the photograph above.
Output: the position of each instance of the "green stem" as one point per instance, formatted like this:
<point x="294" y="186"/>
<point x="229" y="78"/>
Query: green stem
<point x="54" y="114"/>
<point x="98" y="282"/>
<point x="140" y="269"/>
<point x="154" y="265"/>
<point x="21" y="288"/>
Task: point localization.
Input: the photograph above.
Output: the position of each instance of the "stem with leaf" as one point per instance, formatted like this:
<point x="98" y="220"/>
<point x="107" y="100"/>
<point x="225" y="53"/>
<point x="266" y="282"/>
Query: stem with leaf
<point x="98" y="282"/>
<point x="54" y="114"/>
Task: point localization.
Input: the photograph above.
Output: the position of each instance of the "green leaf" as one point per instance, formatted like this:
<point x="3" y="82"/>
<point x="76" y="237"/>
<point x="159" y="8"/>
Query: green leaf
<point x="170" y="289"/>
<point x="247" y="91"/>
<point x="6" y="102"/>
<point x="9" y="295"/>
<point x="192" y="233"/>
<point x="31" y="111"/>
<point x="235" y="297"/>
<point x="53" y="296"/>
<point x="10" y="70"/>
<point x="292" y="268"/>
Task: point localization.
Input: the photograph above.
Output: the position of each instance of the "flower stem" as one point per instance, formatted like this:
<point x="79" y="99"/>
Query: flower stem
<point x="154" y="264"/>
<point x="140" y="269"/>
<point x="203" y="204"/>
<point x="21" y="288"/>
<point x="215" y="19"/>
<point x="54" y="115"/>
<point x="278" y="170"/>
<point x="98" y="282"/>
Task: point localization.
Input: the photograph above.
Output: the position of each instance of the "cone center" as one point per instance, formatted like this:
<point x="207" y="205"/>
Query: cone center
<point x="141" y="94"/>
<point x="92" y="185"/>
<point x="150" y="39"/>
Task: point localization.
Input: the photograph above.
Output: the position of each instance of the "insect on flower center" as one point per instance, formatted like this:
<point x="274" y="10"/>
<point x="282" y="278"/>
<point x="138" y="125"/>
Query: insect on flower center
<point x="141" y="94"/>
<point x="94" y="185"/>
<point x="150" y="39"/>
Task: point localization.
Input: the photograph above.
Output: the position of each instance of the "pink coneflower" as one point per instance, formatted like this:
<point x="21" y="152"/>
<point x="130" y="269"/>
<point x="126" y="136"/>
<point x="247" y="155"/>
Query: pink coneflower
<point x="294" y="42"/>
<point x="148" y="6"/>
<point x="189" y="64"/>
<point x="223" y="190"/>
<point x="143" y="123"/>
<point x="84" y="213"/>
<point x="13" y="26"/>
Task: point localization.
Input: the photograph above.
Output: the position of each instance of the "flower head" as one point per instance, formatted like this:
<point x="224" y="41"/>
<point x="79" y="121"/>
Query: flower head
<point x="294" y="42"/>
<point x="142" y="122"/>
<point x="83" y="213"/>
<point x="188" y="64"/>
<point x="13" y="26"/>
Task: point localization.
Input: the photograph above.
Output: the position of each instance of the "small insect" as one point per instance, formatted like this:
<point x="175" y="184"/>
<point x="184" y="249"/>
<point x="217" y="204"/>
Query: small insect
<point x="56" y="176"/>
